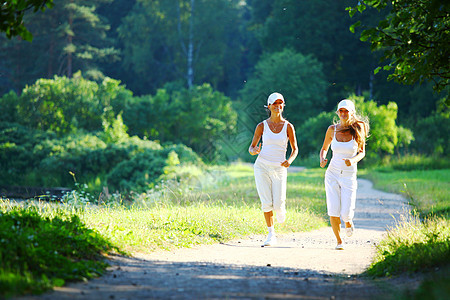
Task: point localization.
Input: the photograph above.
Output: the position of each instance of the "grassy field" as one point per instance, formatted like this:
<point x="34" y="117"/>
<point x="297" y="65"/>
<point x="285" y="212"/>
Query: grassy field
<point x="427" y="190"/>
<point x="421" y="242"/>
<point x="217" y="207"/>
<point x="220" y="206"/>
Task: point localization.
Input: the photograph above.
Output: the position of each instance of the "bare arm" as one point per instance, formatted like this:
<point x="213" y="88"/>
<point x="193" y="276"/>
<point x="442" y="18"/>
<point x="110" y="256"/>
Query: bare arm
<point x="293" y="143"/>
<point x="253" y="149"/>
<point x="326" y="146"/>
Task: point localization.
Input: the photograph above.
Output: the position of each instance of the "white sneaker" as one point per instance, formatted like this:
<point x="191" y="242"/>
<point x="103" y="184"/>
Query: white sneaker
<point x="339" y="247"/>
<point x="271" y="240"/>
<point x="349" y="230"/>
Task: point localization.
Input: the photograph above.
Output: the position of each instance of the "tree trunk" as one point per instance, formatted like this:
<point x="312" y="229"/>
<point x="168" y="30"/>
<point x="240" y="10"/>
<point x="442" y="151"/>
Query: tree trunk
<point x="50" y="56"/>
<point x="190" y="54"/>
<point x="69" y="55"/>
<point x="69" y="40"/>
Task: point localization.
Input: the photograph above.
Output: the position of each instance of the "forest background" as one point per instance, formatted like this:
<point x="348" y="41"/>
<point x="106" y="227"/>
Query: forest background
<point x="123" y="95"/>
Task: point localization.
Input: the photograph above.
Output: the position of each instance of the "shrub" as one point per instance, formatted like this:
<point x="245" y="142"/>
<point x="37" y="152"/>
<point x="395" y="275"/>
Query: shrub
<point x="433" y="135"/>
<point x="138" y="173"/>
<point x="64" y="105"/>
<point x="40" y="252"/>
<point x="312" y="133"/>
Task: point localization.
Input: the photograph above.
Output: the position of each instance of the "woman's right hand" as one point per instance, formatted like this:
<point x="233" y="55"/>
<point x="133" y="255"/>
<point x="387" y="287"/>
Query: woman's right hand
<point x="323" y="162"/>
<point x="255" y="150"/>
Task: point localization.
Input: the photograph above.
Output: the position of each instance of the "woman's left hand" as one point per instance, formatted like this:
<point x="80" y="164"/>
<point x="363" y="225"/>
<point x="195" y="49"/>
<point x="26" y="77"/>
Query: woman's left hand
<point x="348" y="162"/>
<point x="285" y="164"/>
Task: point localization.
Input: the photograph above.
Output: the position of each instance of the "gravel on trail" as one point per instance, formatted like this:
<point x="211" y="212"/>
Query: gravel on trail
<point x="302" y="265"/>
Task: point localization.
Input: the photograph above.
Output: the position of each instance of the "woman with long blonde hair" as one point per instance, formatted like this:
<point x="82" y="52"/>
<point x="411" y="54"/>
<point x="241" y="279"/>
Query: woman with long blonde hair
<point x="347" y="139"/>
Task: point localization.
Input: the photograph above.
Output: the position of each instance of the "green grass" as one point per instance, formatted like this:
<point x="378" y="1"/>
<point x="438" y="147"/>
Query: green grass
<point x="419" y="243"/>
<point x="222" y="205"/>
<point x="413" y="246"/>
<point x="427" y="190"/>
<point x="217" y="207"/>
<point x="40" y="249"/>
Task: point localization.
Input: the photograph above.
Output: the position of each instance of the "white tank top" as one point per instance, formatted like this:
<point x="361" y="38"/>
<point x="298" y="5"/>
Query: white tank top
<point x="343" y="150"/>
<point x="274" y="145"/>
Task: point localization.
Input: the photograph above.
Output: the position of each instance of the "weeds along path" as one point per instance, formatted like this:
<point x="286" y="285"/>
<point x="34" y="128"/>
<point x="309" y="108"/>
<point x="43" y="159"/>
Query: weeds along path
<point x="302" y="265"/>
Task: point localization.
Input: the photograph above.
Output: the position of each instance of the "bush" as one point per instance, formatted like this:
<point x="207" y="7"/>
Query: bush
<point x="138" y="173"/>
<point x="20" y="151"/>
<point x="65" y="105"/>
<point x="39" y="252"/>
<point x="433" y="135"/>
<point x="312" y="133"/>
<point x="195" y="117"/>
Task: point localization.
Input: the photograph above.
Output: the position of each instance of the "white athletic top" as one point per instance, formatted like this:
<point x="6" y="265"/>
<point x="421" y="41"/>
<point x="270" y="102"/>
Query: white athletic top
<point x="343" y="150"/>
<point x="274" y="146"/>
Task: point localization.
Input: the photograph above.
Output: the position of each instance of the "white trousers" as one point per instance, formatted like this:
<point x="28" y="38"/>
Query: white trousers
<point x="271" y="186"/>
<point x="340" y="188"/>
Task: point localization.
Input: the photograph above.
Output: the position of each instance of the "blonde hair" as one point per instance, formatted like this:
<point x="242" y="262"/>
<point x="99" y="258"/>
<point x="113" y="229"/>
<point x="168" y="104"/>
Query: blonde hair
<point x="359" y="128"/>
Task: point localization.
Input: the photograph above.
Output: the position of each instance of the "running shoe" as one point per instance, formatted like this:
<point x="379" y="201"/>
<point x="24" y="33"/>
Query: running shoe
<point x="349" y="230"/>
<point x="271" y="240"/>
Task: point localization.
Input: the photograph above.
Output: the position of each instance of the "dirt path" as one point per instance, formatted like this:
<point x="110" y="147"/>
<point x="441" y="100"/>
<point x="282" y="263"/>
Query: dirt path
<point x="301" y="266"/>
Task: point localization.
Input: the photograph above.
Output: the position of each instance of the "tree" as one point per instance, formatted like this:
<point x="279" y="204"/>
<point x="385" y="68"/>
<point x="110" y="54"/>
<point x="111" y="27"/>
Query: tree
<point x="298" y="77"/>
<point x="192" y="41"/>
<point x="197" y="117"/>
<point x="65" y="105"/>
<point x="320" y="28"/>
<point x="68" y="38"/>
<point x="12" y="13"/>
<point x="414" y="38"/>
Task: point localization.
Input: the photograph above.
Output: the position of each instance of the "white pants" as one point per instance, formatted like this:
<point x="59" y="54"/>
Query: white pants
<point x="340" y="188"/>
<point x="271" y="186"/>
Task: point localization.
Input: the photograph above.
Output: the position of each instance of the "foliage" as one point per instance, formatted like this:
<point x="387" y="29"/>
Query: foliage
<point x="173" y="38"/>
<point x="70" y="37"/>
<point x="19" y="151"/>
<point x="433" y="135"/>
<point x="312" y="133"/>
<point x="413" y="246"/>
<point x="38" y="252"/>
<point x="318" y="28"/>
<point x="137" y="174"/>
<point x="12" y="13"/>
<point x="414" y="38"/>
<point x="298" y="77"/>
<point x="196" y="117"/>
<point x="384" y="132"/>
<point x="125" y="164"/>
<point x="64" y="105"/>
<point x="384" y="137"/>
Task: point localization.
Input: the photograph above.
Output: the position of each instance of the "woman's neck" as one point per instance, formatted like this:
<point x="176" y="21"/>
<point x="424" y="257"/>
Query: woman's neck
<point x="344" y="123"/>
<point x="276" y="118"/>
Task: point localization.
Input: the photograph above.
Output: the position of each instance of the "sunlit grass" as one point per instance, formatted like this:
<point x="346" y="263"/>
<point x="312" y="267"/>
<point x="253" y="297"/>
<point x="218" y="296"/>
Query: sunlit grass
<point x="427" y="190"/>
<point x="413" y="245"/>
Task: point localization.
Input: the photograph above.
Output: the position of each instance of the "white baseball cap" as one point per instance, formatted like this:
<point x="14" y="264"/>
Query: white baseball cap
<point x="274" y="97"/>
<point x="347" y="104"/>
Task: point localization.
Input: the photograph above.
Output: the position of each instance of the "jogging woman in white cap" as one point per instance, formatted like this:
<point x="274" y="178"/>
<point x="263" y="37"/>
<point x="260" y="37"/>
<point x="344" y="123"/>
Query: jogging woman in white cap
<point x="271" y="165"/>
<point x="347" y="139"/>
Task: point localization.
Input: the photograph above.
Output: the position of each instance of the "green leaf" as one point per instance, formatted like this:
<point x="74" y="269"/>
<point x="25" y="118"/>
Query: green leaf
<point x="377" y="70"/>
<point x="26" y="35"/>
<point x="352" y="27"/>
<point x="361" y="7"/>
